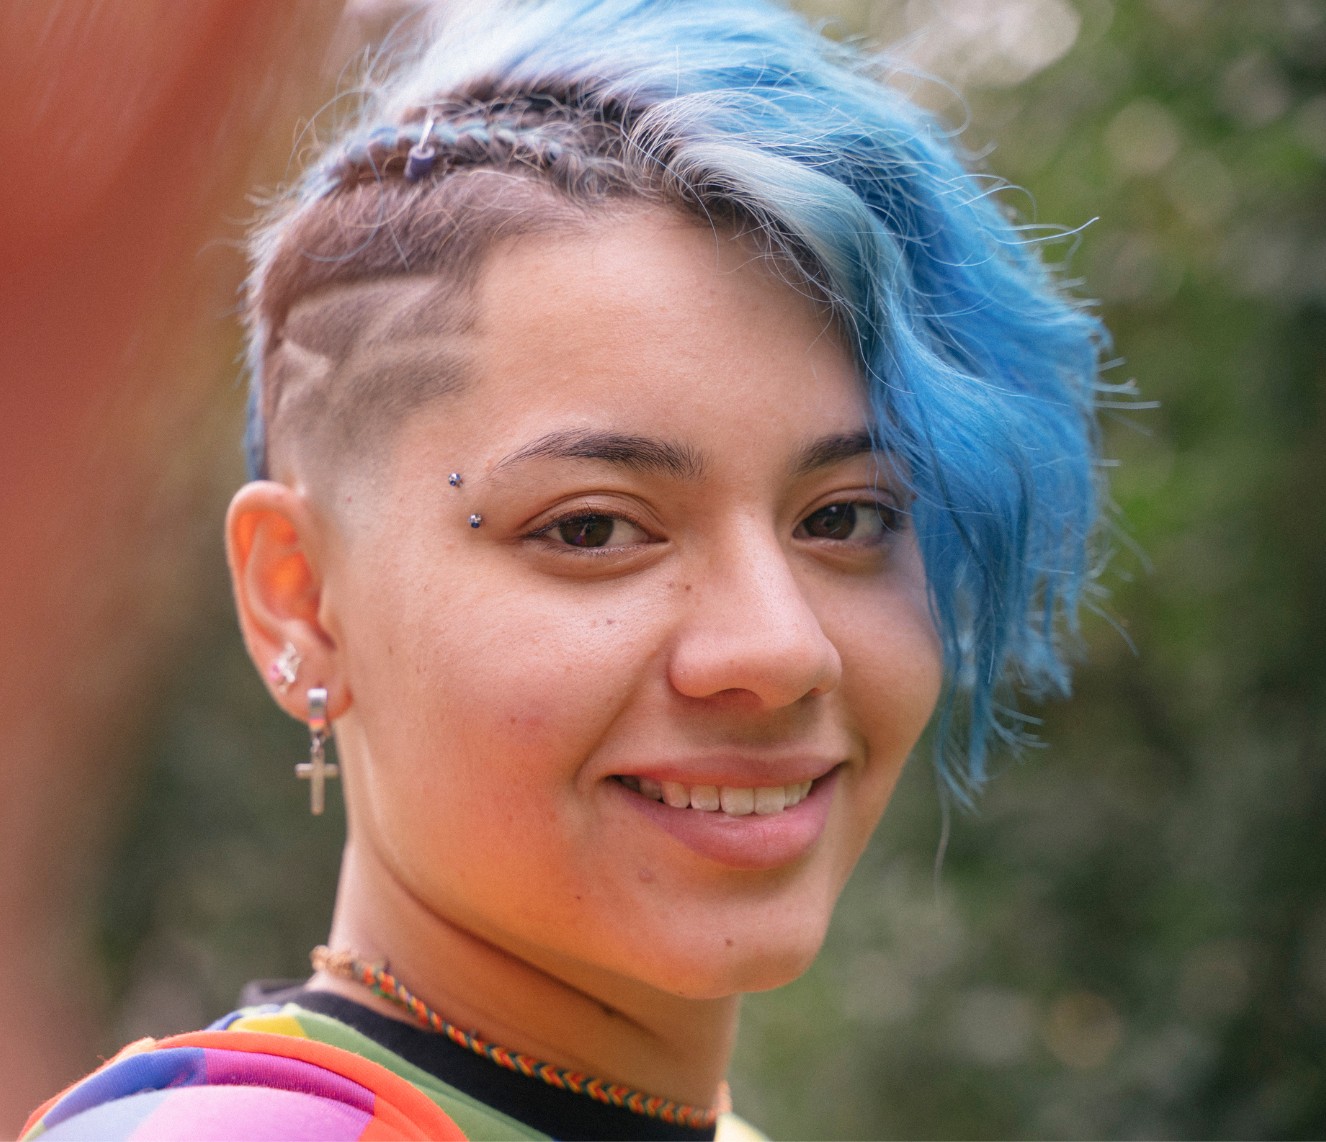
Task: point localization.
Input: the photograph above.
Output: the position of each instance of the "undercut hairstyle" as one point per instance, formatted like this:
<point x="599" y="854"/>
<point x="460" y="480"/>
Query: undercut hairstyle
<point x="523" y="118"/>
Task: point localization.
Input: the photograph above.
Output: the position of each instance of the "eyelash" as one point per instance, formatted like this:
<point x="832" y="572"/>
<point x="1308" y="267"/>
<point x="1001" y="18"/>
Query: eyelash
<point x="892" y="520"/>
<point x="583" y="515"/>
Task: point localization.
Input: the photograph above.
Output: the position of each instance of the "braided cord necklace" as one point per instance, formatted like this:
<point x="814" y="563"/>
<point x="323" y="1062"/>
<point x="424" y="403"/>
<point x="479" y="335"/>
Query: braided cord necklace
<point x="348" y="966"/>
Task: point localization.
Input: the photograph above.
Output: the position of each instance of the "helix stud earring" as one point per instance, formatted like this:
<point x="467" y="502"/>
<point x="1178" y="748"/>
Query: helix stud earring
<point x="285" y="668"/>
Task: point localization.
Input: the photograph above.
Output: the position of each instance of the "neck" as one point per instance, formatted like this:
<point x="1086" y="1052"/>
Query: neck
<point x="570" y="1014"/>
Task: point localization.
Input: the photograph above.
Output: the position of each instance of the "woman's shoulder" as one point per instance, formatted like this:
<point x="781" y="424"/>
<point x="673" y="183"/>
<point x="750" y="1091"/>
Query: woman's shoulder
<point x="258" y="1075"/>
<point x="276" y="1071"/>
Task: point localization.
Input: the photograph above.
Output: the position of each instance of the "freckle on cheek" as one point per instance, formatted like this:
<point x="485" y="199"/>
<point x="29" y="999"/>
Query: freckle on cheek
<point x="532" y="720"/>
<point x="727" y="940"/>
<point x="646" y="876"/>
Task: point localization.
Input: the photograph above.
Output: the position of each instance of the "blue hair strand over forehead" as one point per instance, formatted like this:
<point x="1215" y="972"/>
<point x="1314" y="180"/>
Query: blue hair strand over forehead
<point x="982" y="373"/>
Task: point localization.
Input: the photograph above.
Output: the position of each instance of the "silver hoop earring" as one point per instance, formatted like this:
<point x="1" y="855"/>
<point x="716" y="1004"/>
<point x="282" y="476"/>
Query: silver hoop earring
<point x="317" y="769"/>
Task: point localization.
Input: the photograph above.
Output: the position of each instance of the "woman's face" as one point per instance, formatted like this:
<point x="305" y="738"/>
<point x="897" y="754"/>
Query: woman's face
<point x="693" y="586"/>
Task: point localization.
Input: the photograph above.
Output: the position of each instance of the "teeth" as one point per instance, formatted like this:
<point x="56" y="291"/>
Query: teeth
<point x="705" y="797"/>
<point x="676" y="795"/>
<point x="735" y="801"/>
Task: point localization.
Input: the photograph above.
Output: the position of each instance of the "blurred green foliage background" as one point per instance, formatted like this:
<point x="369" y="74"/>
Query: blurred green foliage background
<point x="1128" y="938"/>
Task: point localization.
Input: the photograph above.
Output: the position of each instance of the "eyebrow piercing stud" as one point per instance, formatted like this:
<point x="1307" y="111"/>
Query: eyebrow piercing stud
<point x="455" y="481"/>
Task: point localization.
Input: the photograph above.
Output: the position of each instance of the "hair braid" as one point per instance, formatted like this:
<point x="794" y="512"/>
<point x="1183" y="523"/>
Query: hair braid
<point x="579" y="153"/>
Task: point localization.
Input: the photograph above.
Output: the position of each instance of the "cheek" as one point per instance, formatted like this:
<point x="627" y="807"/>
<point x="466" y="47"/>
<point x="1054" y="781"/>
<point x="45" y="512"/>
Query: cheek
<point x="892" y="677"/>
<point x="483" y="678"/>
<point x="541" y="669"/>
<point x="892" y="662"/>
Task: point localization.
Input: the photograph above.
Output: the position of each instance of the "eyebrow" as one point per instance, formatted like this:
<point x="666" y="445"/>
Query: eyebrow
<point x="830" y="450"/>
<point x="638" y="453"/>
<point x="646" y="454"/>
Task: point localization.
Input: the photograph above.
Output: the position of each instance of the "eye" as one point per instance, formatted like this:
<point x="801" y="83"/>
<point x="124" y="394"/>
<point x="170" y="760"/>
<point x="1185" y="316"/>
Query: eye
<point x="865" y="522"/>
<point x="590" y="530"/>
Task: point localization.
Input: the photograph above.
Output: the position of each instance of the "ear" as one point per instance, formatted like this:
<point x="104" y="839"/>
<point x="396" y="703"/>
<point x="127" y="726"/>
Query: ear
<point x="273" y="545"/>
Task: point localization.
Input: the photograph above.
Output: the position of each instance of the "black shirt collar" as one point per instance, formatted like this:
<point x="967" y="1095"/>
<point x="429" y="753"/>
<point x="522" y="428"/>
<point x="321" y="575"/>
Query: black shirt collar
<point x="558" y="1113"/>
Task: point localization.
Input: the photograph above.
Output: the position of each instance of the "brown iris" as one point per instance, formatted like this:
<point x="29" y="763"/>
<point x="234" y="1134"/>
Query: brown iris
<point x="587" y="530"/>
<point x="837" y="521"/>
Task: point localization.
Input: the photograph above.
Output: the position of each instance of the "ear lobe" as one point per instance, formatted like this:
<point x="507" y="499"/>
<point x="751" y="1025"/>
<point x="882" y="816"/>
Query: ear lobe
<point x="271" y="543"/>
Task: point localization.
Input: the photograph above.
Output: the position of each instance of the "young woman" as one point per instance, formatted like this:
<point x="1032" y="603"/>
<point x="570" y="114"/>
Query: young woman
<point x="653" y="430"/>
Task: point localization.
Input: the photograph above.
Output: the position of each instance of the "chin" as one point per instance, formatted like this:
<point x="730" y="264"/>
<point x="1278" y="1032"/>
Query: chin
<point x="760" y="974"/>
<point x="735" y="964"/>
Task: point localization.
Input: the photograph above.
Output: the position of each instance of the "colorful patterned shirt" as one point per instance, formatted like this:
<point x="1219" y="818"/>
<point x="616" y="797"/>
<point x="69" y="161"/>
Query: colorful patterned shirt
<point x="289" y="1072"/>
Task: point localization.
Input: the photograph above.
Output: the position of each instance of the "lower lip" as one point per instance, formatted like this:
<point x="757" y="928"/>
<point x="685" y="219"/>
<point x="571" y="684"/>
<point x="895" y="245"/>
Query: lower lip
<point x="754" y="843"/>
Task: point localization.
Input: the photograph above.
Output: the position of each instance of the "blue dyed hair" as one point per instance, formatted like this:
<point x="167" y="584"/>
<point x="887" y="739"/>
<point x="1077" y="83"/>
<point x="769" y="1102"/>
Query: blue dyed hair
<point x="981" y="371"/>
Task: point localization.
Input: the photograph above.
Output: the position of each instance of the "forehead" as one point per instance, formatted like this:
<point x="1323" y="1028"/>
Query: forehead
<point x="651" y="330"/>
<point x="643" y="323"/>
<point x="653" y="303"/>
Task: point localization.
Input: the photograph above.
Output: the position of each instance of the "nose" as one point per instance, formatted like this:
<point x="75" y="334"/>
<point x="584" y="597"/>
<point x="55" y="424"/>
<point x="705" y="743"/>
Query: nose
<point x="751" y="630"/>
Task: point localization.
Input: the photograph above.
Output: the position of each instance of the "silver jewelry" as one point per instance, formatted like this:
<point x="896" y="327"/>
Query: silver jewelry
<point x="285" y="667"/>
<point x="454" y="480"/>
<point x="476" y="520"/>
<point x="317" y="769"/>
<point x="422" y="155"/>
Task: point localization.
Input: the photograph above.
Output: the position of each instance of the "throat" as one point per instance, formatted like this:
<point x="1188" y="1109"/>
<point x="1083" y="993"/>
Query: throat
<point x="345" y="966"/>
<point x="528" y="1000"/>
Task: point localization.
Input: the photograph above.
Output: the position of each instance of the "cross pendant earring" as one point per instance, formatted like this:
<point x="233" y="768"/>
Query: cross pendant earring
<point x="317" y="769"/>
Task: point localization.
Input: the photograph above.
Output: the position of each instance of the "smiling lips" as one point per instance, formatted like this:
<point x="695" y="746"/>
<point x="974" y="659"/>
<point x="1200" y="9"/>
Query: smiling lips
<point x="735" y="801"/>
<point x="748" y="828"/>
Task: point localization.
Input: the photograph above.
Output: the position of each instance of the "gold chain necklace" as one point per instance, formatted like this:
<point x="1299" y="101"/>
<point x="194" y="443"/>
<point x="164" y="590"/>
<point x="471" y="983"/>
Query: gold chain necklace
<point x="348" y="966"/>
